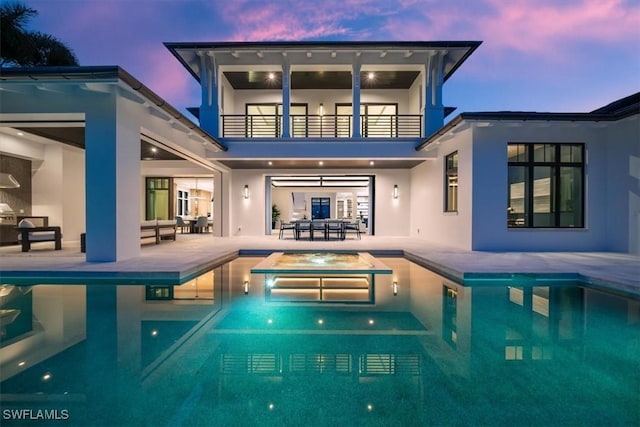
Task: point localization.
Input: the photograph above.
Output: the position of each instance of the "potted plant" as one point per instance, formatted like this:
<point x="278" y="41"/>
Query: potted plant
<point x="275" y="215"/>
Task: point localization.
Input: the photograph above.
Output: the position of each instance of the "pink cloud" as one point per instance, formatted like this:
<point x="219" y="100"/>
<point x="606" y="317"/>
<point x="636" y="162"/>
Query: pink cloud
<point x="521" y="25"/>
<point x="292" y="20"/>
<point x="168" y="78"/>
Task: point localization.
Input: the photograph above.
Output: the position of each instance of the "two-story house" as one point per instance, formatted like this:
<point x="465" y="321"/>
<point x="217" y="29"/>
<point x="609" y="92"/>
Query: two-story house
<point x="349" y="130"/>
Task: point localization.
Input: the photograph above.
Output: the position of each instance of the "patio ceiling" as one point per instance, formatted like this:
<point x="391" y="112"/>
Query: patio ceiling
<point x="75" y="136"/>
<point x="321" y="79"/>
<point x="313" y="165"/>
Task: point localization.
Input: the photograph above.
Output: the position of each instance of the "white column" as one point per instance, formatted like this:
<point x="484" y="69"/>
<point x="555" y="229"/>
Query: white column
<point x="433" y="108"/>
<point x="112" y="150"/>
<point x="209" y="108"/>
<point x="223" y="191"/>
<point x="355" y="104"/>
<point x="286" y="99"/>
<point x="217" y="213"/>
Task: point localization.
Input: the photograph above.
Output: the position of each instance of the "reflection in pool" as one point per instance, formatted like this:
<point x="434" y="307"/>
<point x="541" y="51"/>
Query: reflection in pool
<point x="437" y="353"/>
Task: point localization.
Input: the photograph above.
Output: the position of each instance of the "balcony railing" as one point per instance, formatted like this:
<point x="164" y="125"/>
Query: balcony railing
<point x="325" y="126"/>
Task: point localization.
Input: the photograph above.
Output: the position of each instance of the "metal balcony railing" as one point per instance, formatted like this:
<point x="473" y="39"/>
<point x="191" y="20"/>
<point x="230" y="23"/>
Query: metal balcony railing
<point x="322" y="126"/>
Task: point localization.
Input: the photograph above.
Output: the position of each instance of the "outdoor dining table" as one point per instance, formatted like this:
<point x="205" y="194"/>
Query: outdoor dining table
<point x="326" y="227"/>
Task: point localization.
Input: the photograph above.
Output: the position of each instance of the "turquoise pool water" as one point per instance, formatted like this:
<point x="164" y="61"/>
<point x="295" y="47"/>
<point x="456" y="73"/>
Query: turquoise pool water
<point x="218" y="351"/>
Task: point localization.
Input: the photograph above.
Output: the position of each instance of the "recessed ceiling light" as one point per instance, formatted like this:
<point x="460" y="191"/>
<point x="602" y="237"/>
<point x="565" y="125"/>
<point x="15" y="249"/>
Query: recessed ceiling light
<point x="371" y="163"/>
<point x="20" y="133"/>
<point x="371" y="76"/>
<point x="272" y="76"/>
<point x="154" y="149"/>
<point x="321" y="163"/>
<point x="270" y="163"/>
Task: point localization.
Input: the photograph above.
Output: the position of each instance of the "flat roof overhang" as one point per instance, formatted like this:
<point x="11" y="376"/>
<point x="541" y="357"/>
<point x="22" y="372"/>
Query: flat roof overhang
<point x="464" y="120"/>
<point x="312" y="153"/>
<point x="322" y="56"/>
<point x="82" y="75"/>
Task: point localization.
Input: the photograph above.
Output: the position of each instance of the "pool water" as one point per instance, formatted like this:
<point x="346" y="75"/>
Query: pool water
<point x="218" y="351"/>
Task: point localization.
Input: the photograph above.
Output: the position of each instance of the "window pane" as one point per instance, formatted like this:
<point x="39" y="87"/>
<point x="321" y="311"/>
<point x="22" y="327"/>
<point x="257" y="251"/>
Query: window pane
<point x="262" y="120"/>
<point x="543" y="196"/>
<point x="544" y="153"/>
<point x="451" y="182"/>
<point x="517" y="206"/>
<point x="571" y="197"/>
<point x="452" y="193"/>
<point x="517" y="152"/>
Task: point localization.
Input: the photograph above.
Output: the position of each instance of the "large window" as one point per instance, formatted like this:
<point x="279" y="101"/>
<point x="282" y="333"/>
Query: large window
<point x="183" y="202"/>
<point x="158" y="200"/>
<point x="451" y="182"/>
<point x="546" y="185"/>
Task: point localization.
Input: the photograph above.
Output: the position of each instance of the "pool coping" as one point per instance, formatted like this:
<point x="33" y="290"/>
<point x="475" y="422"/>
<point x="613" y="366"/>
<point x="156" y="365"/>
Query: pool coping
<point x="594" y="269"/>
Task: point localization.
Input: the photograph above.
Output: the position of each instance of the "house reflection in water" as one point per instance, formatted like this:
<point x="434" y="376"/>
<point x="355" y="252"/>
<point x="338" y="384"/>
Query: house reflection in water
<point x="438" y="352"/>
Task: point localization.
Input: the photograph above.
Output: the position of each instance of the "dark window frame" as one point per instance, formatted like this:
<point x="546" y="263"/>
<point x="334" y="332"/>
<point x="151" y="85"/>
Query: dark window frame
<point x="364" y="116"/>
<point x="556" y="166"/>
<point x="450" y="206"/>
<point x="277" y="116"/>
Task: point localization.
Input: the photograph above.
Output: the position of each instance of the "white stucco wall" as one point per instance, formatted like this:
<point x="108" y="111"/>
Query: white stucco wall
<point x="490" y="230"/>
<point x="428" y="219"/>
<point x="248" y="219"/>
<point x="47" y="182"/>
<point x="59" y="189"/>
<point x="622" y="142"/>
<point x="392" y="215"/>
<point x="73" y="194"/>
<point x="415" y="99"/>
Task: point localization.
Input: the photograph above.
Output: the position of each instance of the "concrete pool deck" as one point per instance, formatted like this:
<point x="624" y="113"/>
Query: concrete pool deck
<point x="172" y="262"/>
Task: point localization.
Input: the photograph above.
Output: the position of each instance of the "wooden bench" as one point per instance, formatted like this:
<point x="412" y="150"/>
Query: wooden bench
<point x="151" y="231"/>
<point x="154" y="231"/>
<point x="30" y="235"/>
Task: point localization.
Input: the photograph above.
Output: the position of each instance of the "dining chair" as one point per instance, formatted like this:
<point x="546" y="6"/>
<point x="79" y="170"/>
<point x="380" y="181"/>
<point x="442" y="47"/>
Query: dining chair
<point x="335" y="227"/>
<point x="303" y="226"/>
<point x="352" y="227"/>
<point x="320" y="226"/>
<point x="284" y="226"/>
<point x="202" y="224"/>
<point x="181" y="224"/>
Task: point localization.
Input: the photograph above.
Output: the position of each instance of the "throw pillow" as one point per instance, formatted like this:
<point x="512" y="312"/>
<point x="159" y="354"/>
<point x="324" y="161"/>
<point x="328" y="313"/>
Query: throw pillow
<point x="25" y="223"/>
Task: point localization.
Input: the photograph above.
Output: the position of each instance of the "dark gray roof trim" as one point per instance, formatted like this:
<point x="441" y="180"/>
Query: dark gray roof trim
<point x="106" y="72"/>
<point x="321" y="44"/>
<point x="628" y="109"/>
<point x="628" y="104"/>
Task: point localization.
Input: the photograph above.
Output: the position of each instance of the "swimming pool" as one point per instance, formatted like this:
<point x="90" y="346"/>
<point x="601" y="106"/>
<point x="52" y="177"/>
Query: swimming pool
<point x="431" y="353"/>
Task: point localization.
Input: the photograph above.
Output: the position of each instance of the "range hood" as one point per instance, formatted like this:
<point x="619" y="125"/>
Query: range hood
<point x="8" y="181"/>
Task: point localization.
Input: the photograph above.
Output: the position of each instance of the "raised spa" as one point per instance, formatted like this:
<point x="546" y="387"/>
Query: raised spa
<point x="321" y="262"/>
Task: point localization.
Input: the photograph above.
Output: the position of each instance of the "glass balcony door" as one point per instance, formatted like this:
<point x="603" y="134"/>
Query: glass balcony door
<point x="265" y="120"/>
<point x="376" y="120"/>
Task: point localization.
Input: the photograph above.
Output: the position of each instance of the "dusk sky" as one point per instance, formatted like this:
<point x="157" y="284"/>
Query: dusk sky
<point x="536" y="55"/>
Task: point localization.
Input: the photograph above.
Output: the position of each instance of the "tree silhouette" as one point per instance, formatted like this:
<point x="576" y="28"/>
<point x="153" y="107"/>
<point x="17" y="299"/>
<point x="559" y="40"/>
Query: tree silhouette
<point x="23" y="48"/>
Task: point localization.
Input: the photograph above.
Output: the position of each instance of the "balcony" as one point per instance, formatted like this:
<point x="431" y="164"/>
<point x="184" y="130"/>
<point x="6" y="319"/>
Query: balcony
<point x="322" y="126"/>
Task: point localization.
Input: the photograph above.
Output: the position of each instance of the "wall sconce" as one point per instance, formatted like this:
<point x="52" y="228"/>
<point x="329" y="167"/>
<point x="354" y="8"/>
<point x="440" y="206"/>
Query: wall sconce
<point x="395" y="288"/>
<point x="321" y="109"/>
<point x="246" y="287"/>
<point x="246" y="191"/>
<point x="395" y="191"/>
